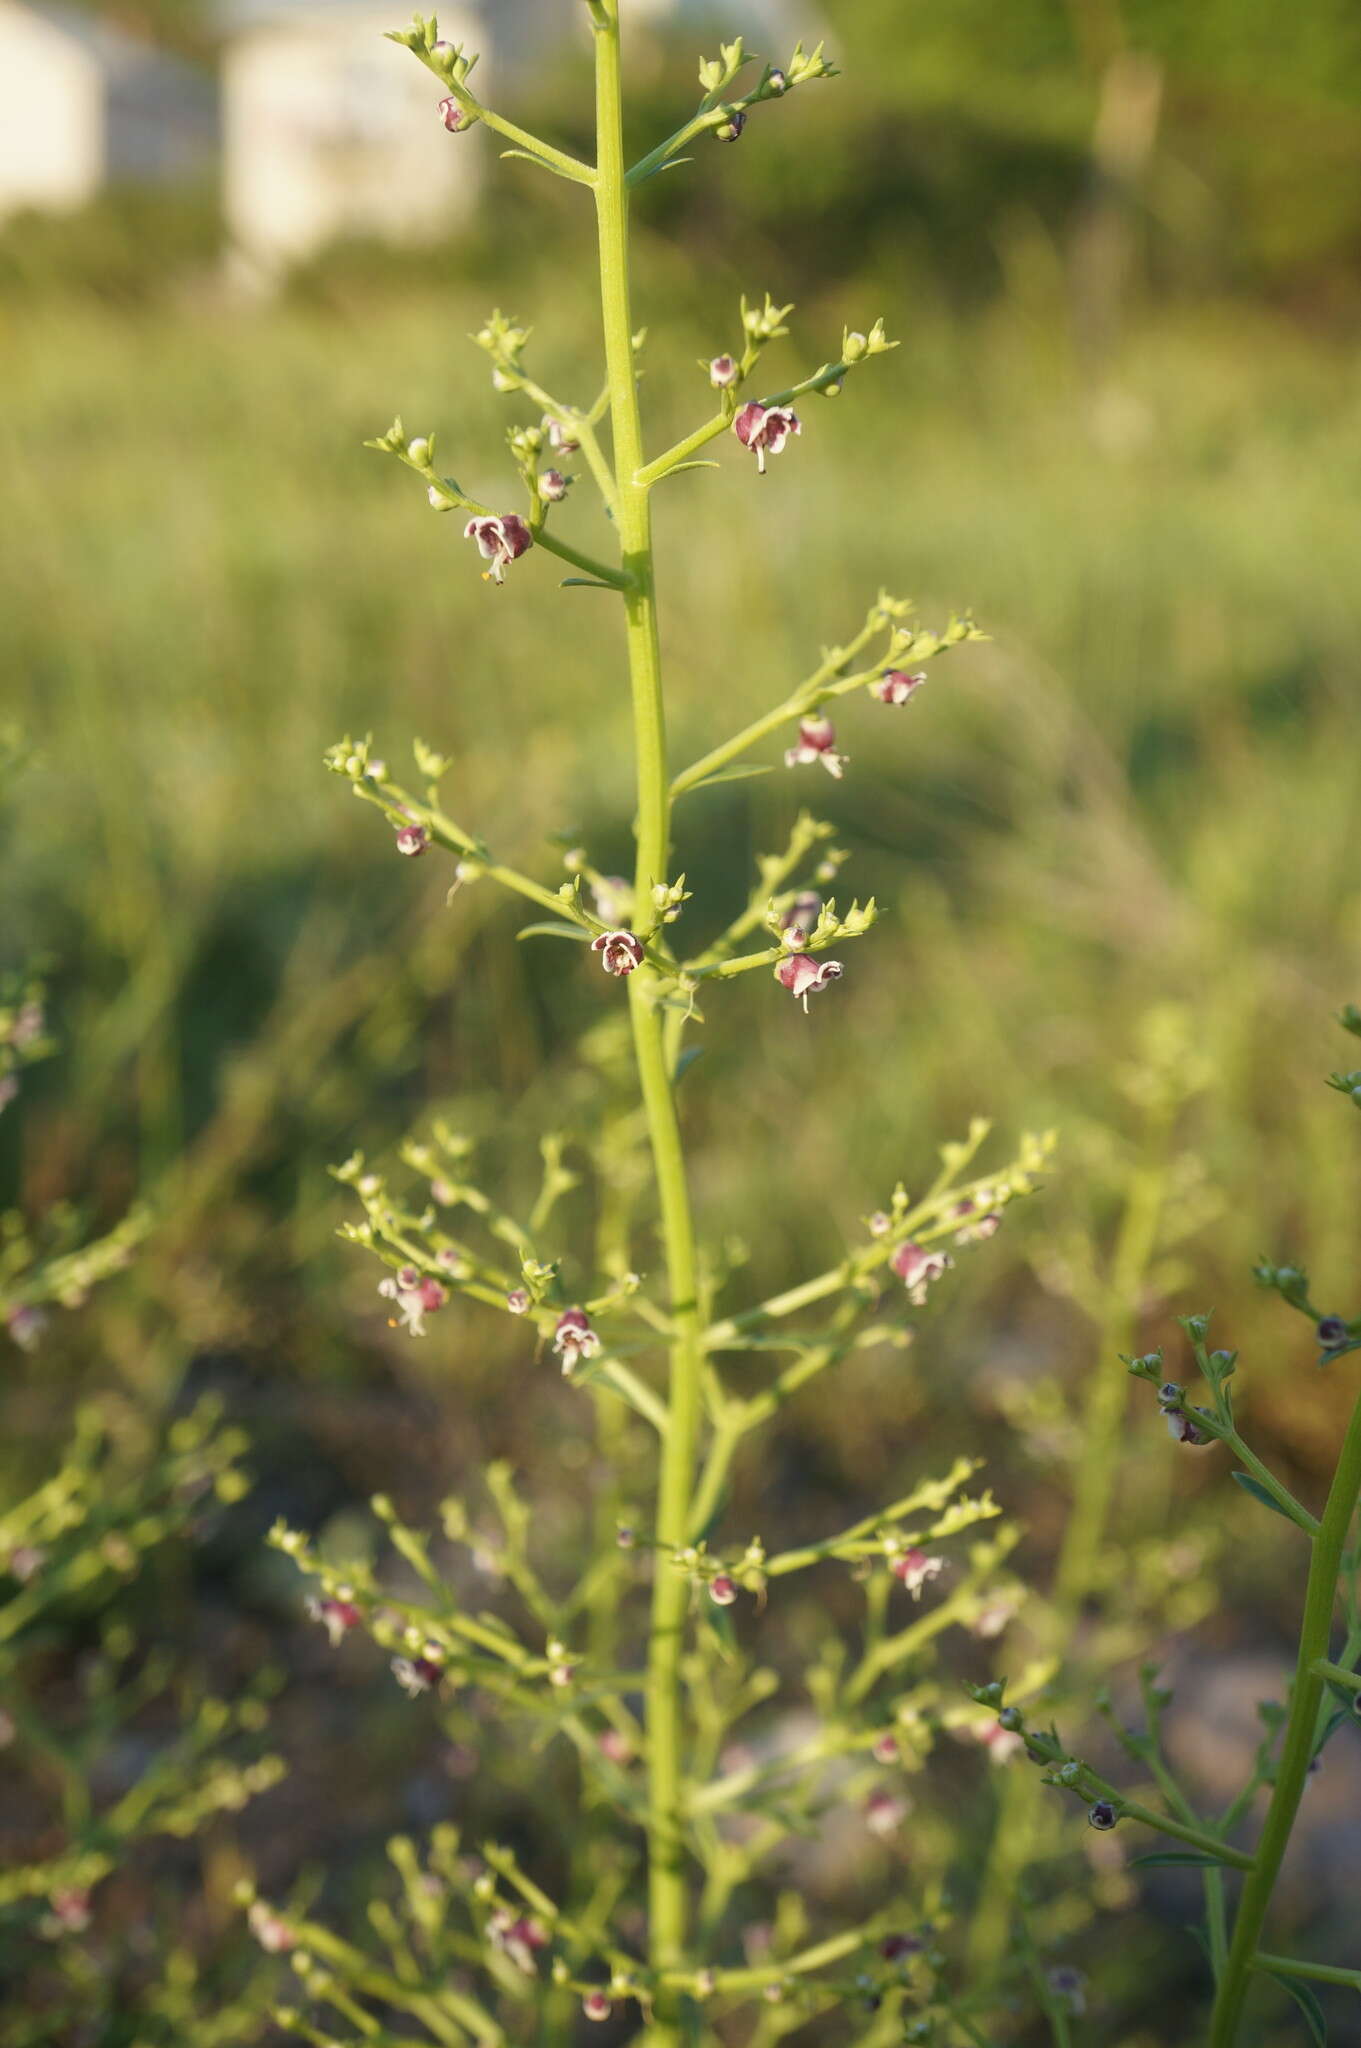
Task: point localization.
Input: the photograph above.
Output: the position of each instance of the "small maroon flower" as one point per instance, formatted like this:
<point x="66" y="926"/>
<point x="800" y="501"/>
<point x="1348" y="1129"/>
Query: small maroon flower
<point x="1332" y="1333"/>
<point x="1002" y="1744"/>
<point x="453" y="116"/>
<point x="412" y="840"/>
<point x="917" y="1268"/>
<point x="896" y="1948"/>
<point x="732" y="127"/>
<point x="776" y="81"/>
<point x="560" y="438"/>
<point x="723" y="1590"/>
<point x="975" y="1226"/>
<point x="880" y="1223"/>
<point x="337" y="1617"/>
<point x="616" y="1748"/>
<point x="273" y="1934"/>
<point x="1102" y="1816"/>
<point x="724" y="372"/>
<point x="520" y="1938"/>
<point x="897" y="687"/>
<point x="886" y="1750"/>
<point x="574" y="1339"/>
<point x="416" y="1298"/>
<point x="803" y="976"/>
<point x="885" y="1813"/>
<point x="71" y="1909"/>
<point x="596" y="2006"/>
<point x="817" y="742"/>
<point x="620" y="951"/>
<point x="416" y="1675"/>
<point x="765" y="429"/>
<point x="26" y="1325"/>
<point x="553" y="486"/>
<point x="914" y="1568"/>
<point x="517" y="1301"/>
<point x="501" y="539"/>
<point x="1183" y="1428"/>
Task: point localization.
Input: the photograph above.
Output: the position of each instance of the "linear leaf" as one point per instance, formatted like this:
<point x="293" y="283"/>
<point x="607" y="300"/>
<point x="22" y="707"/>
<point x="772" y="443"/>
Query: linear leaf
<point x="1259" y="1492"/>
<point x="554" y="931"/>
<point x="1186" y="1858"/>
<point x="730" y="775"/>
<point x="1308" y="2004"/>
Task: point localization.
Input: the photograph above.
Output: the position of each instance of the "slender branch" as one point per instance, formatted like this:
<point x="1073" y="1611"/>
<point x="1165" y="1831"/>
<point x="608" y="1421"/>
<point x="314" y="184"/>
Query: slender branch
<point x="1318" y="1973"/>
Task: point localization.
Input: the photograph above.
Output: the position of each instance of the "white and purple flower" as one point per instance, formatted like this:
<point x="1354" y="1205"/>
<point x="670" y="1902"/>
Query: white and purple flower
<point x="764" y="429"/>
<point x="803" y="976"/>
<point x="817" y="745"/>
<point x="501" y="539"/>
<point x="620" y="952"/>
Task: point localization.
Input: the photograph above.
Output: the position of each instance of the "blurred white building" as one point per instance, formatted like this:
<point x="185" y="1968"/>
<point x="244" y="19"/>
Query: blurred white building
<point x="83" y="105"/>
<point x="330" y="130"/>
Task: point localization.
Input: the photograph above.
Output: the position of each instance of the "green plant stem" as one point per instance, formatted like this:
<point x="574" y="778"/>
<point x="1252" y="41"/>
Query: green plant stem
<point x="667" y="1901"/>
<point x="1298" y="1746"/>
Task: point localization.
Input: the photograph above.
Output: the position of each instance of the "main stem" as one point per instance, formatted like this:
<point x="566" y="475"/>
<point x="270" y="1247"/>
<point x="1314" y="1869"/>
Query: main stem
<point x="1306" y="1696"/>
<point x="667" y="1905"/>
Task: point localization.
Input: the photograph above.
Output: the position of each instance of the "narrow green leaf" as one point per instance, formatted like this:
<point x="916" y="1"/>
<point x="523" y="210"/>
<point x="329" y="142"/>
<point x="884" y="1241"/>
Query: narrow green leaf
<point x="553" y="931"/>
<point x="736" y="774"/>
<point x="682" y="466"/>
<point x="1185" y="1858"/>
<point x="1308" y="2004"/>
<point x="585" y="583"/>
<point x="686" y="1061"/>
<point x="1259" y="1492"/>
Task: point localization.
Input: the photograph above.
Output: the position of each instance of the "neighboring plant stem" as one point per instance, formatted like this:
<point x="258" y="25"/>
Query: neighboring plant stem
<point x="1297" y="1749"/>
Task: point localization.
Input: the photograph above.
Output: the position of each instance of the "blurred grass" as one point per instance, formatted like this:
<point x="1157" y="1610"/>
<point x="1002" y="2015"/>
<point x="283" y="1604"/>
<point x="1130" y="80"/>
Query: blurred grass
<point x="1147" y="787"/>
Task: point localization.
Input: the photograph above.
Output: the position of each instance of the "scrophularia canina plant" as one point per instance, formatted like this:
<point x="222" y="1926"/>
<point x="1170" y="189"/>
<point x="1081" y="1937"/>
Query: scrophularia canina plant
<point x="1324" y="1694"/>
<point x="648" y="1726"/>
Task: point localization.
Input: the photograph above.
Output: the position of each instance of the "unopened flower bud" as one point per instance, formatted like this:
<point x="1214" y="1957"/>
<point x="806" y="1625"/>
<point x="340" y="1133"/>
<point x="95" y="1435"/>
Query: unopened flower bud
<point x="419" y="452"/>
<point x="732" y="127"/>
<point x="723" y="372"/>
<point x="853" y="348"/>
<point x="777" y="82"/>
<point x="553" y="486"/>
<point x="517" y="1301"/>
<point x="453" y="116"/>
